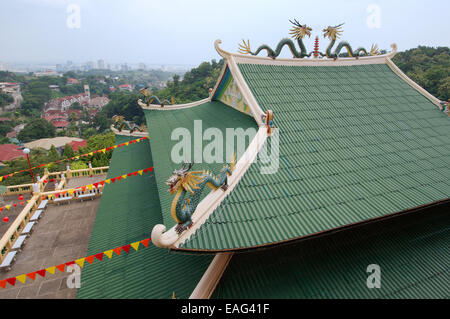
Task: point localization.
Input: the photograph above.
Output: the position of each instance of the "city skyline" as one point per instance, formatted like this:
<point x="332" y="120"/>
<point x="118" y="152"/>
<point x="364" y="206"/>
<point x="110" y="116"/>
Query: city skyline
<point x="180" y="33"/>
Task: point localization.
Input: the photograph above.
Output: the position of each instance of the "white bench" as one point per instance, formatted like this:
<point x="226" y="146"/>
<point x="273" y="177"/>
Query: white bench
<point x="43" y="204"/>
<point x="84" y="196"/>
<point x="9" y="259"/>
<point x="19" y="242"/>
<point x="28" y="228"/>
<point x="36" y="215"/>
<point x="62" y="199"/>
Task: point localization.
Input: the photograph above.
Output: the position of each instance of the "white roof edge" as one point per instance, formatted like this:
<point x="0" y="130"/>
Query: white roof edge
<point x="172" y="107"/>
<point x="127" y="133"/>
<point x="416" y="86"/>
<point x="170" y="239"/>
<point x="249" y="59"/>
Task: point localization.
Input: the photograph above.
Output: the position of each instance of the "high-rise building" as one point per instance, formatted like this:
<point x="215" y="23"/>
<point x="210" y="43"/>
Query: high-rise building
<point x="101" y="64"/>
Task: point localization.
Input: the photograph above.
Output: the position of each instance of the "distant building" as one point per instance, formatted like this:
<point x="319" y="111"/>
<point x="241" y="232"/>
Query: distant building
<point x="142" y="66"/>
<point x="99" y="102"/>
<point x="54" y="87"/>
<point x="72" y="81"/>
<point x="125" y="87"/>
<point x="64" y="103"/>
<point x="46" y="143"/>
<point x="101" y="64"/>
<point x="77" y="144"/>
<point x="9" y="152"/>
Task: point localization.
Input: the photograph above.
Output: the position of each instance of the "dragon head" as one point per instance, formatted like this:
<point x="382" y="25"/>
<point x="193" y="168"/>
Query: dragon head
<point x="299" y="31"/>
<point x="183" y="178"/>
<point x="333" y="33"/>
<point x="145" y="91"/>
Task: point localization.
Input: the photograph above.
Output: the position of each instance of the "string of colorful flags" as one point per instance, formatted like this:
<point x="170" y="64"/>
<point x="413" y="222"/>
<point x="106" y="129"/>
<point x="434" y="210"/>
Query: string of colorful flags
<point x="80" y="262"/>
<point x="83" y="188"/>
<point x="102" y="183"/>
<point x="103" y="150"/>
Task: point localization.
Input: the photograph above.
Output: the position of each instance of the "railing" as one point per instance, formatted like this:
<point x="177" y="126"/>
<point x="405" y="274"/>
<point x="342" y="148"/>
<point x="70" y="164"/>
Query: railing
<point x="13" y="232"/>
<point x="19" y="189"/>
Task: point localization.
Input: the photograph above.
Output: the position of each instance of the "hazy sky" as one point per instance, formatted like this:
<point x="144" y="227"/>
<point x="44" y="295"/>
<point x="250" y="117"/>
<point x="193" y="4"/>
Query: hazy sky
<point x="183" y="32"/>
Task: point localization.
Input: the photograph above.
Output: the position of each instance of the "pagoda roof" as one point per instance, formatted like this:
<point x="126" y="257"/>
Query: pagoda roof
<point x="411" y="251"/>
<point x="358" y="141"/>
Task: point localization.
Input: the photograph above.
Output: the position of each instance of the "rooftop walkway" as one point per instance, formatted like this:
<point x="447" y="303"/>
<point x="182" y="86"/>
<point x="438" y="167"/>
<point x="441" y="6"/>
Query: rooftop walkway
<point x="61" y="235"/>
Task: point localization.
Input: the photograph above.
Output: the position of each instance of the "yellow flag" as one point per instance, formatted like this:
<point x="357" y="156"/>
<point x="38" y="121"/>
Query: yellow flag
<point x="104" y="150"/>
<point x="80" y="262"/>
<point x="115" y="146"/>
<point x="135" y="245"/>
<point x="127" y="143"/>
<point x="77" y="157"/>
<point x="89" y="186"/>
<point x="51" y="270"/>
<point x="141" y="171"/>
<point x="108" y="253"/>
<point x="71" y="191"/>
<point x="124" y="176"/>
<point x="91" y="153"/>
<point x="21" y="278"/>
<point x="1" y="178"/>
<point x="107" y="181"/>
<point x="8" y="207"/>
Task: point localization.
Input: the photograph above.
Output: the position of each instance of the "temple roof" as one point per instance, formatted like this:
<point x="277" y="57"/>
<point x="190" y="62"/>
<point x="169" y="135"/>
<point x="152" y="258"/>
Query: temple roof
<point x="127" y="212"/>
<point x="356" y="143"/>
<point x="162" y="122"/>
<point x="412" y="252"/>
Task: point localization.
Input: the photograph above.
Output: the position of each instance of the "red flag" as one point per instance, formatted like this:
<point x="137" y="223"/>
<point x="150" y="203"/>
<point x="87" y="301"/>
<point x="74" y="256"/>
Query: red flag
<point x="99" y="256"/>
<point x="15" y="204"/>
<point x="113" y="179"/>
<point x="89" y="259"/>
<point x="126" y="248"/>
<point x="83" y="188"/>
<point x="70" y="263"/>
<point x="135" y="173"/>
<point x="95" y="185"/>
<point x="145" y="242"/>
<point x="129" y="174"/>
<point x="102" y="183"/>
<point x="117" y="250"/>
<point x="119" y="178"/>
<point x="1" y="209"/>
<point x="11" y="281"/>
<point x="61" y="267"/>
<point x="151" y="169"/>
<point x="41" y="272"/>
<point x="3" y="283"/>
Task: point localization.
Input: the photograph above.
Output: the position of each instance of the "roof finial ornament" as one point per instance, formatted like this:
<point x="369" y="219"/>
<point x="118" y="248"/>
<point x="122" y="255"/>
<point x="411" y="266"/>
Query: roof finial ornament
<point x="334" y="33"/>
<point x="297" y="32"/>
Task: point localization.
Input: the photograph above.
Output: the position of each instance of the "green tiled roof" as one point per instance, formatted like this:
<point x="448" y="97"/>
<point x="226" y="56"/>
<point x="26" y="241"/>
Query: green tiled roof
<point x="356" y="143"/>
<point x="412" y="251"/>
<point x="127" y="213"/>
<point x="160" y="126"/>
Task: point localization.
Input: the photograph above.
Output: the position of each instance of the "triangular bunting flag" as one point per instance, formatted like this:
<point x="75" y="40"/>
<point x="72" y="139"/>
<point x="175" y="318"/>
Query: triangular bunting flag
<point x="124" y="176"/>
<point x="89" y="259"/>
<point x="89" y="186"/>
<point x="3" y="283"/>
<point x="80" y="262"/>
<point x="51" y="270"/>
<point x="21" y="278"/>
<point x="61" y="267"/>
<point x="41" y="273"/>
<point x="119" y="178"/>
<point x="126" y="248"/>
<point x="107" y="181"/>
<point x="11" y="281"/>
<point x="145" y="242"/>
<point x="99" y="256"/>
<point x="117" y="250"/>
<point x="141" y="171"/>
<point x="8" y="207"/>
<point x="135" y="245"/>
<point x="113" y="179"/>
<point x="31" y="275"/>
<point x="108" y="253"/>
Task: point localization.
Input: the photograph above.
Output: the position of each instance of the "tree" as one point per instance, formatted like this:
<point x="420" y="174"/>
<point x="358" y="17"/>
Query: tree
<point x="68" y="151"/>
<point x="36" y="129"/>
